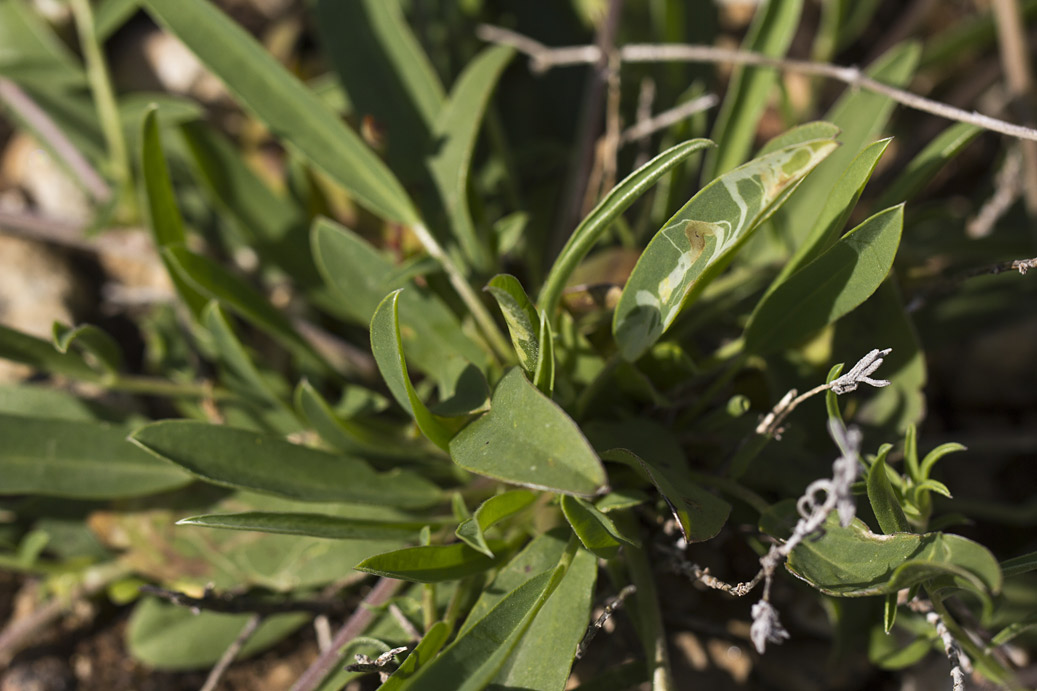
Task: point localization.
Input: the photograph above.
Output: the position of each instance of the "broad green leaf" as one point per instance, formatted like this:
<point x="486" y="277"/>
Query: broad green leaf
<point x="43" y="356"/>
<point x="621" y="499"/>
<point x="854" y="562"/>
<point x="309" y="524"/>
<point x="95" y="343"/>
<point x="288" y="108"/>
<point x="160" y="208"/>
<point x="544" y="371"/>
<point x="697" y="240"/>
<point x="478" y="654"/>
<point x="455" y="134"/>
<point x="427" y="648"/>
<point x="923" y="167"/>
<point x="860" y="115"/>
<point x="387" y="347"/>
<point x="237" y="458"/>
<point x="490" y="512"/>
<point x="270" y="223"/>
<point x="432" y="563"/>
<point x="544" y="656"/>
<point x="169" y="637"/>
<point x="526" y="439"/>
<point x="699" y="514"/>
<point x="42" y="401"/>
<point x="596" y="531"/>
<point x="462" y="389"/>
<point x="832" y="285"/>
<point x="521" y="317"/>
<point x="884" y="500"/>
<point x="386" y="75"/>
<point x="749" y="88"/>
<point x="361" y="278"/>
<point x="591" y="228"/>
<point x="208" y="278"/>
<point x="838" y="207"/>
<point x="81" y="460"/>
<point x="31" y="52"/>
<point x="346" y="434"/>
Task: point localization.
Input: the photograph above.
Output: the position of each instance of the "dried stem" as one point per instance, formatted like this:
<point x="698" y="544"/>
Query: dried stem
<point x="648" y="127"/>
<point x="610" y="608"/>
<point x="543" y="58"/>
<point x="949" y="285"/>
<point x="229" y="655"/>
<point x="1015" y="59"/>
<point x="1008" y="185"/>
<point x="384" y="589"/>
<point x="236" y="604"/>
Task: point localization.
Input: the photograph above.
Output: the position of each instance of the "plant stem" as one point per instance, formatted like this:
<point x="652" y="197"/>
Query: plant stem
<point x="151" y="386"/>
<point x="428" y="606"/>
<point x="104" y="97"/>
<point x="653" y="636"/>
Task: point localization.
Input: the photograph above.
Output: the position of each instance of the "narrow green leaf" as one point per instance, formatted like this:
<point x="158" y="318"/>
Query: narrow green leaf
<point x="208" y="278"/>
<point x="160" y="209"/>
<point x="289" y="109"/>
<point x="490" y="512"/>
<point x="544" y="372"/>
<point x="1013" y="631"/>
<point x="854" y="562"/>
<point x="80" y="460"/>
<point x="95" y="343"/>
<point x="934" y="456"/>
<point x="387" y="347"/>
<point x="526" y="439"/>
<point x="309" y="524"/>
<point x="923" y="167"/>
<point x="838" y="207"/>
<point x="698" y="240"/>
<point x="749" y="88"/>
<point x="238" y="458"/>
<point x="30" y="51"/>
<point x="591" y="228"/>
<point x="477" y="655"/>
<point x="43" y="356"/>
<point x="110" y="15"/>
<point x="699" y="514"/>
<point x="386" y="74"/>
<point x="860" y="115"/>
<point x="432" y="563"/>
<point x="800" y="134"/>
<point x="889" y="612"/>
<point x="426" y="650"/>
<point x="884" y="501"/>
<point x="455" y="134"/>
<point x="829" y="287"/>
<point x="885" y="651"/>
<point x="596" y="531"/>
<point x="544" y="657"/>
<point x="521" y="317"/>
<point x="1017" y="566"/>
<point x="361" y="278"/>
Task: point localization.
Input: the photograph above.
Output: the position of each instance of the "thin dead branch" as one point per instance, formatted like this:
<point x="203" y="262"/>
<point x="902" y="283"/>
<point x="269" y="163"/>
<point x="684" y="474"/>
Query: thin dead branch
<point x="231" y="653"/>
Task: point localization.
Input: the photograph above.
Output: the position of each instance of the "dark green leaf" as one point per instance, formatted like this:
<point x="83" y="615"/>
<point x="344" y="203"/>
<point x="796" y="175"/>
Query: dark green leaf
<point x="432" y="563"/>
<point x="43" y="356"/>
<point x="526" y="439"/>
<point x="889" y="652"/>
<point x="426" y="650"/>
<point x="237" y="458"/>
<point x="698" y="240"/>
<point x="110" y="15"/>
<point x="455" y="133"/>
<point x="934" y="456"/>
<point x="544" y="372"/>
<point x="82" y="460"/>
<point x="884" y="501"/>
<point x="521" y="317"/>
<point x="829" y="287"/>
<point x="31" y="52"/>
<point x="923" y="167"/>
<point x="1019" y="565"/>
<point x="309" y="524"/>
<point x="490" y="512"/>
<point x="280" y="100"/>
<point x="1012" y="631"/>
<point x="596" y="531"/>
<point x="93" y="341"/>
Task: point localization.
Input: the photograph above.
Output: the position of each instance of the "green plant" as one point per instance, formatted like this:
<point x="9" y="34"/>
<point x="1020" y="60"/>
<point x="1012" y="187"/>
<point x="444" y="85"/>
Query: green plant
<point x="495" y="476"/>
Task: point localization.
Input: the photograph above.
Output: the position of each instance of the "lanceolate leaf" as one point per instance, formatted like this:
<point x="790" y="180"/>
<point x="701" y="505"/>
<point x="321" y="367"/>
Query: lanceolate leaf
<point x="526" y="439"/>
<point x="884" y="501"/>
<point x="596" y="531"/>
<point x="237" y="458"/>
<point x="43" y="356"/>
<point x="309" y="524"/>
<point x="544" y="372"/>
<point x="387" y="347"/>
<point x="591" y="228"/>
<point x="829" y="287"/>
<point x="432" y="563"/>
<point x="93" y="341"/>
<point x="928" y="162"/>
<point x="489" y="513"/>
<point x="854" y="562"/>
<point x="697" y="238"/>
<point x="521" y="317"/>
<point x="455" y="133"/>
<point x="81" y="460"/>
<point x="427" y="649"/>
<point x="291" y="110"/>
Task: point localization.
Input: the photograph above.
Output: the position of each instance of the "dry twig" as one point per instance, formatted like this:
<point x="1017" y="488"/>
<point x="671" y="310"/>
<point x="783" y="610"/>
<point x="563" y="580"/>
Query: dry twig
<point x="229" y="655"/>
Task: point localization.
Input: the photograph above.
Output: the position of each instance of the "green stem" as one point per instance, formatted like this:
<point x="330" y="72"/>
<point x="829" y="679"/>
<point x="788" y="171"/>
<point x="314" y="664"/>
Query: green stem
<point x="428" y="605"/>
<point x="492" y="333"/>
<point x="151" y="386"/>
<point x="653" y="636"/>
<point x="104" y="96"/>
